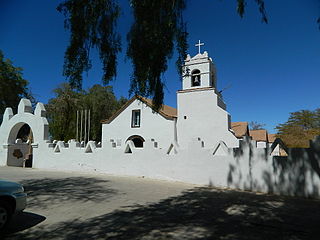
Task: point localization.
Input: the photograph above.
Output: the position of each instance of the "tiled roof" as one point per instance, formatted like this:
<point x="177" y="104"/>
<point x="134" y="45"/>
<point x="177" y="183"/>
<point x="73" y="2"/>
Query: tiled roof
<point x="272" y="137"/>
<point x="259" y="135"/>
<point x="166" y="111"/>
<point x="240" y="129"/>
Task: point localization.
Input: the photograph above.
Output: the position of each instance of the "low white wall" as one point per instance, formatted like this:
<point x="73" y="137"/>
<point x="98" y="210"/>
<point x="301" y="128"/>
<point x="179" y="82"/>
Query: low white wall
<point x="246" y="167"/>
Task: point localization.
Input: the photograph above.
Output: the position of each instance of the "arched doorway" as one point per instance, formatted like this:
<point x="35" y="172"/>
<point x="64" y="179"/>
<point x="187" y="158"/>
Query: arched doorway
<point x="20" y="146"/>
<point x="12" y="124"/>
<point x="137" y="141"/>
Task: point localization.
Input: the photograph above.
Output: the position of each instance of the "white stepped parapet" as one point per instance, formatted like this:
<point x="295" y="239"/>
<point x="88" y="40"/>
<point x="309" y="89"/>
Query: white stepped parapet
<point x="40" y="110"/>
<point x="24" y="106"/>
<point x="129" y="147"/>
<point x="220" y="149"/>
<point x="8" y="114"/>
<point x="73" y="144"/>
<point x="59" y="146"/>
<point x="91" y="146"/>
<point x="173" y="148"/>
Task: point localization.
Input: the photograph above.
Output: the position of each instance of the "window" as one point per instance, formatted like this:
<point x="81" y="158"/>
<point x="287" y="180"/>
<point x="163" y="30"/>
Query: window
<point x="136" y="116"/>
<point x="195" y="78"/>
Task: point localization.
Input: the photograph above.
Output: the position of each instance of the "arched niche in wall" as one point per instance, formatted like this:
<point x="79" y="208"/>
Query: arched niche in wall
<point x="195" y="78"/>
<point x="137" y="140"/>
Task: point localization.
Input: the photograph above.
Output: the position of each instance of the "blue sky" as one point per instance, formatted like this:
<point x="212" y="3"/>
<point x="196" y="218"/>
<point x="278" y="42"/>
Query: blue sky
<point x="272" y="69"/>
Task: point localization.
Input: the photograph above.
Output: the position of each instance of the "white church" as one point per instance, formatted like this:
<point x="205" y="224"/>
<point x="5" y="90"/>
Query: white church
<point x="195" y="143"/>
<point x="201" y="114"/>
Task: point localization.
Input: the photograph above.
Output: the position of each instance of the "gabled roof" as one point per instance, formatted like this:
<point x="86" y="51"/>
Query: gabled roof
<point x="240" y="129"/>
<point x="272" y="138"/>
<point x="165" y="111"/>
<point x="259" y="135"/>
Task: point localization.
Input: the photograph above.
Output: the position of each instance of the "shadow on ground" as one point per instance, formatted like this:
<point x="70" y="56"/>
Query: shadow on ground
<point x="22" y="221"/>
<point x="201" y="213"/>
<point x="43" y="193"/>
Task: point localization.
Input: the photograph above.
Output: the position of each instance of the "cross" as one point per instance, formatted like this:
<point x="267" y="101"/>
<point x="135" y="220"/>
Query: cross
<point x="199" y="44"/>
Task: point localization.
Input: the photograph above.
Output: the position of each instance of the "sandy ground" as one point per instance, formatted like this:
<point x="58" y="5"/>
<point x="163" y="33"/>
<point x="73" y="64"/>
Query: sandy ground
<point x="70" y="205"/>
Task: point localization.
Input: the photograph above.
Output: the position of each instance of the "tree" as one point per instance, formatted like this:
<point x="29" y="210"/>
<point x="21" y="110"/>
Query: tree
<point x="13" y="86"/>
<point x="301" y="127"/>
<point x="158" y="28"/>
<point x="92" y="24"/>
<point x="102" y="103"/>
<point x="122" y="101"/>
<point x="256" y="126"/>
<point x="62" y="110"/>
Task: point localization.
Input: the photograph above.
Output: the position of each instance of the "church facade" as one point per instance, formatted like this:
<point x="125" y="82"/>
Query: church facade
<point x="200" y="115"/>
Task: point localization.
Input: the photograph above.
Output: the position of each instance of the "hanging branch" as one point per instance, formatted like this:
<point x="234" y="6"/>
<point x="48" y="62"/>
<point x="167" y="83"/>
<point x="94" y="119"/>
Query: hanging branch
<point x="92" y="24"/>
<point x="241" y="5"/>
<point x="157" y="27"/>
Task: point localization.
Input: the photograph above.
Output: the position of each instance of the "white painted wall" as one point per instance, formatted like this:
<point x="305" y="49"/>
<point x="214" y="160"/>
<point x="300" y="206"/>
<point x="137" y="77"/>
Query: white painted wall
<point x="152" y="126"/>
<point x="11" y="124"/>
<point x="199" y="116"/>
<point x="246" y="167"/>
<point x="261" y="144"/>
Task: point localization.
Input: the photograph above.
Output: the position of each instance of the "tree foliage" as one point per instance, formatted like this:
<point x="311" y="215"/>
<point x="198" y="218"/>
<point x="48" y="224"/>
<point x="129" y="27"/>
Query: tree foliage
<point x="102" y="104"/>
<point x="301" y="127"/>
<point x="92" y="24"/>
<point x="158" y="26"/>
<point x="13" y="86"/>
<point x="241" y="5"/>
<point x="62" y="110"/>
<point x="256" y="126"/>
<point x="157" y="30"/>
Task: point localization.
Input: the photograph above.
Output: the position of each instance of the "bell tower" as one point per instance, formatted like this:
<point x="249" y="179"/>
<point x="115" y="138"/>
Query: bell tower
<point x="202" y="114"/>
<point x="199" y="71"/>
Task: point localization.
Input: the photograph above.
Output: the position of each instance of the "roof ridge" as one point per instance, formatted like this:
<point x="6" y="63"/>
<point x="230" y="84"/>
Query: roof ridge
<point x="165" y="110"/>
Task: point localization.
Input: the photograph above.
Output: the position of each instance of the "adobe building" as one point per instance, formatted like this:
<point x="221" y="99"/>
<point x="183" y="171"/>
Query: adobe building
<point x="195" y="143"/>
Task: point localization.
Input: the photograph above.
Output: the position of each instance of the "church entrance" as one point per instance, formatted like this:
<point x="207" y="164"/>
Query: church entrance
<point x="137" y="141"/>
<point x="19" y="146"/>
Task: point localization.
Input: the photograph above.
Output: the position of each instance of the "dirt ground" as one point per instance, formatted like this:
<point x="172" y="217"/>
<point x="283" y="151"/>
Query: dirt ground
<point x="69" y="205"/>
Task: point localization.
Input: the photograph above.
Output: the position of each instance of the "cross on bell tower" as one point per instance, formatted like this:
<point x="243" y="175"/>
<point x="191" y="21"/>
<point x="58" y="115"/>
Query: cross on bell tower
<point x="200" y="71"/>
<point x="199" y="44"/>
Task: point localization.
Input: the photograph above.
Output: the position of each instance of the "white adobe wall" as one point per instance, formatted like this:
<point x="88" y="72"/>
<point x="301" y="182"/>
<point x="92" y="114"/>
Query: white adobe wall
<point x="152" y="126"/>
<point x="11" y="124"/>
<point x="246" y="167"/>
<point x="261" y="144"/>
<point x="204" y="119"/>
<point x="63" y="156"/>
